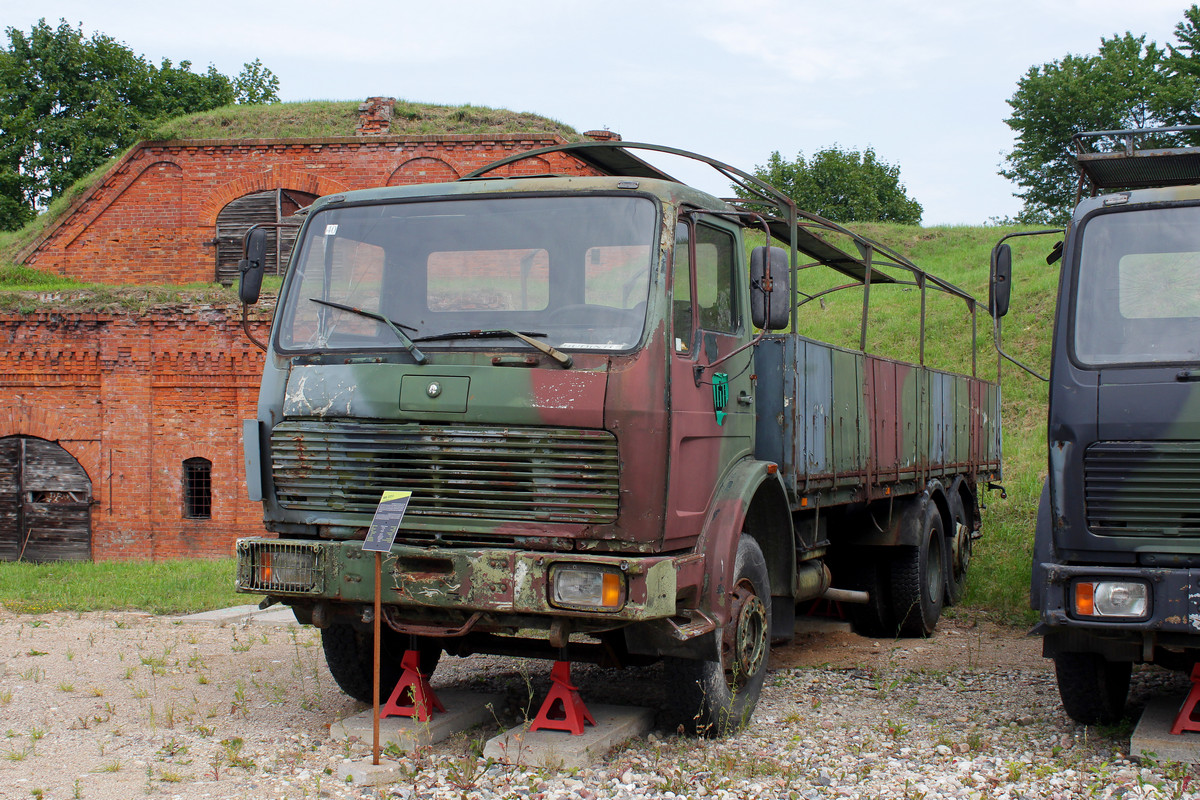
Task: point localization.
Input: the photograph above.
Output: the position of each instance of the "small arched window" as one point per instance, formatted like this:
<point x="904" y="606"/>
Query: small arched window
<point x="197" y="488"/>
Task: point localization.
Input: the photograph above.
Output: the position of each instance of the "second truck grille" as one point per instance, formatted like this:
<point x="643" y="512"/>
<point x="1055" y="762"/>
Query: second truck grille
<point x="1143" y="488"/>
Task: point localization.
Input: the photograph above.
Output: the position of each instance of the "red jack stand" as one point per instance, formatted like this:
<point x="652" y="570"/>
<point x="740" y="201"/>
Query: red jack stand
<point x="564" y="702"/>
<point x="416" y="691"/>
<point x="1186" y="719"/>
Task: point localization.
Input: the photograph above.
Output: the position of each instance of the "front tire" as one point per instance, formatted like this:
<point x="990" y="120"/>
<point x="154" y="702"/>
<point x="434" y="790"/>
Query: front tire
<point x="718" y="697"/>
<point x="1093" y="689"/>
<point x="349" y="651"/>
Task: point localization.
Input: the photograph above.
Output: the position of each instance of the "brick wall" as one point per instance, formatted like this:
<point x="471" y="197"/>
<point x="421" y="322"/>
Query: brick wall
<point x="131" y="397"/>
<point x="152" y="218"/>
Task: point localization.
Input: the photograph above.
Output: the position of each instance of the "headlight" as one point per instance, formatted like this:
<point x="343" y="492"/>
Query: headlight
<point x="589" y="587"/>
<point x="1111" y="599"/>
<point x="288" y="567"/>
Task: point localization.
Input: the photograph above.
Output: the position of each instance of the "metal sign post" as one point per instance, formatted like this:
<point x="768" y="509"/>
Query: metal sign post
<point x="380" y="537"/>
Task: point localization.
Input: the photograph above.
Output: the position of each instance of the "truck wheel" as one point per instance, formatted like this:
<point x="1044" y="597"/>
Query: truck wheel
<point x="918" y="578"/>
<point x="1093" y="689"/>
<point x="958" y="551"/>
<point x="718" y="697"/>
<point x="348" y="652"/>
<point x="874" y="618"/>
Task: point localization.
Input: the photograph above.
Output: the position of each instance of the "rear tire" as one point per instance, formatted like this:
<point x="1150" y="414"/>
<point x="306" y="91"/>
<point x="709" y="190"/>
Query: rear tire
<point x="918" y="584"/>
<point x="1093" y="689"/>
<point x="958" y="551"/>
<point x="718" y="697"/>
<point x="349" y="651"/>
<point x="875" y="618"/>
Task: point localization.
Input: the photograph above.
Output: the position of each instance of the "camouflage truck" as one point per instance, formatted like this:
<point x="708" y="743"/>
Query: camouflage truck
<point x="1116" y="561"/>
<point x="621" y="447"/>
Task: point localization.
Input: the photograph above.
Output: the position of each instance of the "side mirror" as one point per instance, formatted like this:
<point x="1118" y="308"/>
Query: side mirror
<point x="254" y="248"/>
<point x="770" y="299"/>
<point x="1000" y="284"/>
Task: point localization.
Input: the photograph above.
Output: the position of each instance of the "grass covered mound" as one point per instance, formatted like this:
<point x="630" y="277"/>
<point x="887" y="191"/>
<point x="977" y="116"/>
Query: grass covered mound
<point x="321" y="118"/>
<point x="315" y="119"/>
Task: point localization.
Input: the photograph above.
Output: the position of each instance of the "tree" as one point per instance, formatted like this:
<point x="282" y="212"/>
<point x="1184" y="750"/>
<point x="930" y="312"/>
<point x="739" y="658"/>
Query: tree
<point x="1128" y="83"/>
<point x="1178" y="103"/>
<point x="256" y="84"/>
<point x="842" y="185"/>
<point x="68" y="103"/>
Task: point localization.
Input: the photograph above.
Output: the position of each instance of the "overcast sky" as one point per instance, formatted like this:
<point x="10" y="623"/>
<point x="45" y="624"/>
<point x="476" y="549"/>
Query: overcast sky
<point x="923" y="82"/>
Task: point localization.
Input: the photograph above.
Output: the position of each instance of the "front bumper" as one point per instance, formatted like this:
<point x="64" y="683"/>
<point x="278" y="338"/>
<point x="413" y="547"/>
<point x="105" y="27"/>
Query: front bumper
<point x="494" y="582"/>
<point x="1174" y="599"/>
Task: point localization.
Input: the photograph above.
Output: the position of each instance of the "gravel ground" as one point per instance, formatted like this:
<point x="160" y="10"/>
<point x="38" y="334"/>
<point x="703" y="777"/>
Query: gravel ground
<point x="111" y="706"/>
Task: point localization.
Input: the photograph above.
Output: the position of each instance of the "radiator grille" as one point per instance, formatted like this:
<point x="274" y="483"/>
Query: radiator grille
<point x="1143" y="488"/>
<point x="502" y="474"/>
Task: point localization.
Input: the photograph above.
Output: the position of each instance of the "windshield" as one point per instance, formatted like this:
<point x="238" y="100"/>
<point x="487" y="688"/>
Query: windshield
<point x="571" y="272"/>
<point x="1138" y="290"/>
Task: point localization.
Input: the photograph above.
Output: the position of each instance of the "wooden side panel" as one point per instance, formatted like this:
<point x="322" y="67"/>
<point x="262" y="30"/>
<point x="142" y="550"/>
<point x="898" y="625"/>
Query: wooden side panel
<point x="851" y="428"/>
<point x="849" y="420"/>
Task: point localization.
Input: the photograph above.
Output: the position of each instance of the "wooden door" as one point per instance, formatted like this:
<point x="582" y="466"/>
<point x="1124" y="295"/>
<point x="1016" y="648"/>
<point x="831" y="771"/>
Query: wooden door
<point x="45" y="503"/>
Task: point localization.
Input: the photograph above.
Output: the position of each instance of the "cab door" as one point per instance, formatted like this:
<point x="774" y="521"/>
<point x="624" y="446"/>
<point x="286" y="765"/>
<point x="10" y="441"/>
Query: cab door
<point x="711" y="409"/>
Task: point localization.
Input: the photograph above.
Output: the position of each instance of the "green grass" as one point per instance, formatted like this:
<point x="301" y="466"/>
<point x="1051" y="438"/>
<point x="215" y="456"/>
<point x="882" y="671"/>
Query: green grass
<point x="321" y="118"/>
<point x="165" y="587"/>
<point x="26" y="291"/>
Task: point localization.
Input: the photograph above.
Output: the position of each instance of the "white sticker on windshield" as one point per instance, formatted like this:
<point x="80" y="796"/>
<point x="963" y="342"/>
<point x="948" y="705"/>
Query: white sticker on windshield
<point x="592" y="346"/>
<point x="331" y="230"/>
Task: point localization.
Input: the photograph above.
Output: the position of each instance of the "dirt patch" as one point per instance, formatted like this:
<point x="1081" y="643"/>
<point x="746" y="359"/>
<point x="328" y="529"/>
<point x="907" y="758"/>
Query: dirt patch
<point x="109" y="706"/>
<point x="957" y="644"/>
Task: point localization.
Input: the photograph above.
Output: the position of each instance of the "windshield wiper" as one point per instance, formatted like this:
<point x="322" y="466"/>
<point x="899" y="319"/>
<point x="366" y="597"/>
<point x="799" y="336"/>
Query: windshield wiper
<point x="412" y="349"/>
<point x="504" y="333"/>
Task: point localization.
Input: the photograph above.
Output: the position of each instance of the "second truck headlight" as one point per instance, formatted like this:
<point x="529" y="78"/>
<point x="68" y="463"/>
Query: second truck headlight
<point x="1111" y="599"/>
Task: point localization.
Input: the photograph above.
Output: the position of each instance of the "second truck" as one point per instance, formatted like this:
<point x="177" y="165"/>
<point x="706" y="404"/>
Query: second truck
<point x="1115" y="558"/>
<point x="620" y="443"/>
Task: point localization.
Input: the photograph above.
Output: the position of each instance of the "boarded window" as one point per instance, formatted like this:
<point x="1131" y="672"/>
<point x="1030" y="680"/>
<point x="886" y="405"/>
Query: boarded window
<point x="197" y="488"/>
<point x="45" y="502"/>
<point x="261" y="208"/>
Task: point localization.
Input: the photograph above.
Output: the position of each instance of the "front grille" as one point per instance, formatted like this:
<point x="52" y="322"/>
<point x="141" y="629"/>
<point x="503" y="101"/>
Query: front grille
<point x="1143" y="488"/>
<point x="485" y="473"/>
<point x="287" y="567"/>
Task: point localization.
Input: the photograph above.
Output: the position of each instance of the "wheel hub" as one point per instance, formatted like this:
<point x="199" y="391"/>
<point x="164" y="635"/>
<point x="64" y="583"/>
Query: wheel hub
<point x="746" y="637"/>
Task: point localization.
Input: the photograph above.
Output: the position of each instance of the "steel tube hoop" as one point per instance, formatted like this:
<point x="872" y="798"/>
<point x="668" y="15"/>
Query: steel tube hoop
<point x="866" y="251"/>
<point x="975" y="341"/>
<point x="767" y="194"/>
<point x="921" y="284"/>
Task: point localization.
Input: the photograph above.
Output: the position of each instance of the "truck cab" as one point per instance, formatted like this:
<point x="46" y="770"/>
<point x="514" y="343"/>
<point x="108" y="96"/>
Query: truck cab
<point x="1117" y="542"/>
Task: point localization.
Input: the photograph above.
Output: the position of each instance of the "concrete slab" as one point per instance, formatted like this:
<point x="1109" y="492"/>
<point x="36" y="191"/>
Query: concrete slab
<point x="364" y="773"/>
<point x="223" y="616"/>
<point x="276" y="615"/>
<point x="810" y="625"/>
<point x="1152" y="736"/>
<point x="563" y="750"/>
<point x="463" y="710"/>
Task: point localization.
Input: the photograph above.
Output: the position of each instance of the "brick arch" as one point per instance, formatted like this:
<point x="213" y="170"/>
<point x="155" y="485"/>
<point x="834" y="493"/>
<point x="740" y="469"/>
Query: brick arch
<point x="277" y="178"/>
<point x="526" y="166"/>
<point x="75" y="434"/>
<point x="22" y="419"/>
<point x="118" y="189"/>
<point x="423" y="169"/>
